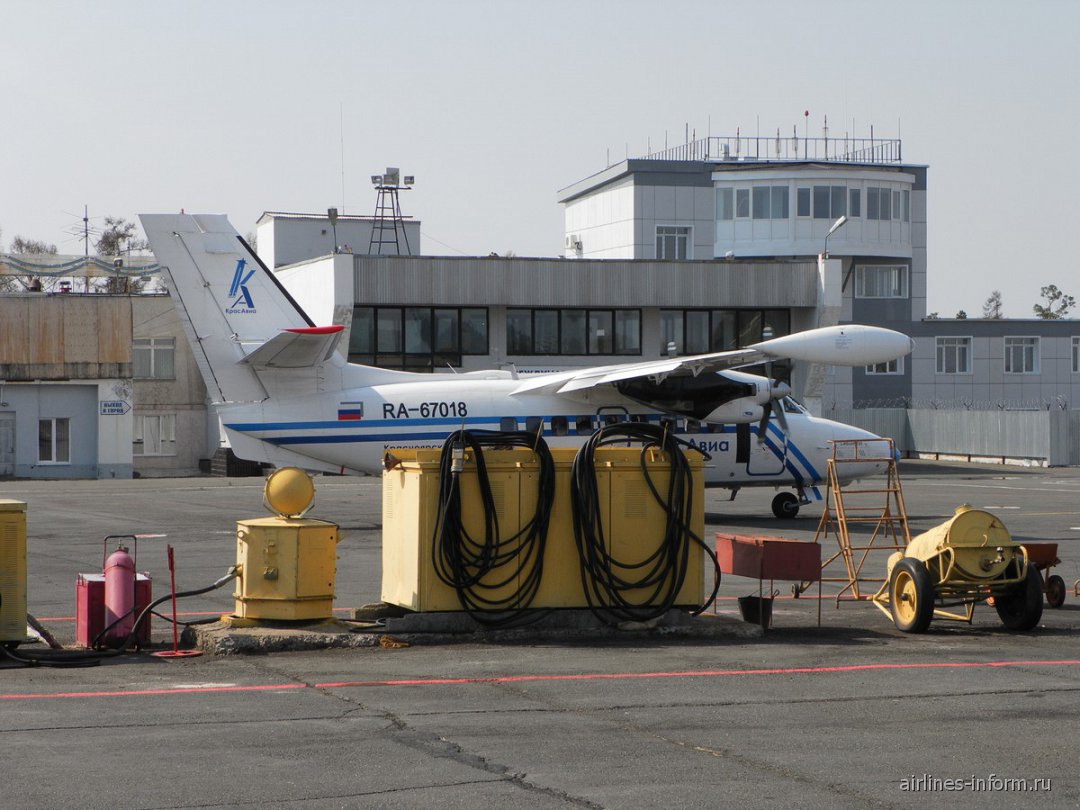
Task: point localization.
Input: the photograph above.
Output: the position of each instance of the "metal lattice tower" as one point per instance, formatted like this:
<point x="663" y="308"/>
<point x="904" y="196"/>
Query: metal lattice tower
<point x="388" y="221"/>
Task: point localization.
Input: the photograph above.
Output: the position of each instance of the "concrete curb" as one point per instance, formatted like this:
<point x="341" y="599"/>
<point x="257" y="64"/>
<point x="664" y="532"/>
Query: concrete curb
<point x="220" y="638"/>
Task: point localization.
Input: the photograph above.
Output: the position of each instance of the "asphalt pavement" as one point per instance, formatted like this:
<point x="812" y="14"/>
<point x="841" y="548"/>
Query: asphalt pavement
<point x="850" y="713"/>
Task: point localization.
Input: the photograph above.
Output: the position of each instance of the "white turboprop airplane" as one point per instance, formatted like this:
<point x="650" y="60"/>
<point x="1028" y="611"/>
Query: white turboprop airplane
<point x="286" y="397"/>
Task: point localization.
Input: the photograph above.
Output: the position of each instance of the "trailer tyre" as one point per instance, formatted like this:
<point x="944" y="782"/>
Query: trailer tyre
<point x="1055" y="591"/>
<point x="911" y="596"/>
<point x="1020" y="608"/>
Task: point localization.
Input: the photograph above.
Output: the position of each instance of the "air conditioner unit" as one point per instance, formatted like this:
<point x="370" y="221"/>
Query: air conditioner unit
<point x="570" y="242"/>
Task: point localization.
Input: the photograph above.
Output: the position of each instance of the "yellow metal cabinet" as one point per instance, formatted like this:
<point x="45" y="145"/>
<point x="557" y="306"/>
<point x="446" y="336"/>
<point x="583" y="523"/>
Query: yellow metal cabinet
<point x="287" y="568"/>
<point x="633" y="521"/>
<point x="12" y="570"/>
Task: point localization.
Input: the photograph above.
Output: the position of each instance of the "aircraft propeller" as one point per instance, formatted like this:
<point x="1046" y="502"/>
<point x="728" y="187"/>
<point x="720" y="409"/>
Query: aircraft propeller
<point x="776" y="392"/>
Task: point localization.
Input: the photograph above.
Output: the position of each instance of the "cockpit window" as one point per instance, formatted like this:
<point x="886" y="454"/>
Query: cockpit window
<point x="791" y="406"/>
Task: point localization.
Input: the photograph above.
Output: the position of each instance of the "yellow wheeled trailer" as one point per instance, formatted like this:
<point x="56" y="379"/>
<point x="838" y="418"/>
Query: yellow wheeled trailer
<point x="968" y="559"/>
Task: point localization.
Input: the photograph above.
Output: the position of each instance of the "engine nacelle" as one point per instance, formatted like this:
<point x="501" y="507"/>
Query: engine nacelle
<point x="737" y="412"/>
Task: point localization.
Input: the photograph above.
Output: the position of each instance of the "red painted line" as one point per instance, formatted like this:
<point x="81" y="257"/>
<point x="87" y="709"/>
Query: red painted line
<point x="713" y="673"/>
<point x="144" y="692"/>
<point x="589" y="676"/>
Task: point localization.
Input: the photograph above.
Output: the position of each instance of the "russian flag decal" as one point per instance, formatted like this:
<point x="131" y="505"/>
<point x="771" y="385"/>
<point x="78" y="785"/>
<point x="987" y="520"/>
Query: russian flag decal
<point x="350" y="412"/>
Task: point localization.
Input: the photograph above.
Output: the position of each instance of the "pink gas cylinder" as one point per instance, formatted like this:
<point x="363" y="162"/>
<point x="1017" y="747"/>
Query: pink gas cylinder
<point x="119" y="596"/>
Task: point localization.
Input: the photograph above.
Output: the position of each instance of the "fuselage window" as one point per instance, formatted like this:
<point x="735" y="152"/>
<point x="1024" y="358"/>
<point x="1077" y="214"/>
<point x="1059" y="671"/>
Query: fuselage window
<point x="693" y="426"/>
<point x="669" y="424"/>
<point x="584" y="425"/>
<point x="534" y="424"/>
<point x="508" y="424"/>
<point x="560" y="425"/>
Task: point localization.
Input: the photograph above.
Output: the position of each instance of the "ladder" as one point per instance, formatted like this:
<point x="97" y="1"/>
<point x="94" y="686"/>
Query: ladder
<point x="862" y="503"/>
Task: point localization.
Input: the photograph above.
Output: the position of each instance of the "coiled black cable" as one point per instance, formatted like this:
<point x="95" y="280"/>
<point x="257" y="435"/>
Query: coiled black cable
<point x="495" y="577"/>
<point x="619" y="590"/>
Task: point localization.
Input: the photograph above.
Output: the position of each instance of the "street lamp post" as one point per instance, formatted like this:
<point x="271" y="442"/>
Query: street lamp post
<point x="840" y="223"/>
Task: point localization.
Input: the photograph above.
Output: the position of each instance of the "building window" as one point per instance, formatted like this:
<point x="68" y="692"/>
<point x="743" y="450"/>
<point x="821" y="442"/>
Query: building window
<point x="672" y="242"/>
<point x="892" y="367"/>
<point x="879" y="203"/>
<point x="830" y="202"/>
<point x="1021" y="355"/>
<point x="854" y="203"/>
<point x="699" y="331"/>
<point x="417" y="338"/>
<point x="907" y="205"/>
<point x="154" y="358"/>
<point x="742" y="203"/>
<point x="802" y="202"/>
<point x="1076" y="355"/>
<point x="154" y="435"/>
<point x="953" y="355"/>
<point x="54" y="441"/>
<point x="725" y="203"/>
<point x="572" y="331"/>
<point x="780" y="196"/>
<point x="881" y="281"/>
<point x="770" y="202"/>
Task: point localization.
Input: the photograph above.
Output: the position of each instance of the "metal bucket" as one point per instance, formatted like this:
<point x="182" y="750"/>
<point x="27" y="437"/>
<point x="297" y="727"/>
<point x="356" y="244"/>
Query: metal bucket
<point x="756" y="609"/>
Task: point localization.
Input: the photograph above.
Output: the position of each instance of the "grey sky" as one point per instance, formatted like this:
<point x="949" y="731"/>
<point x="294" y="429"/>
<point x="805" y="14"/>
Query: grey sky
<point x="239" y="107"/>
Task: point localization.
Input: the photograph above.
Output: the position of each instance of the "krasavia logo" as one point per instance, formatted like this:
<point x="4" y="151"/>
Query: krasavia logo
<point x="238" y="291"/>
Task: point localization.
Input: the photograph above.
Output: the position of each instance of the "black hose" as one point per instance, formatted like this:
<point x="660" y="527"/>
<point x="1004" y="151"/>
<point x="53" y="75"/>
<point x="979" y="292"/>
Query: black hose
<point x="619" y="590"/>
<point x="93" y="657"/>
<point x="496" y="578"/>
<point x="146" y="611"/>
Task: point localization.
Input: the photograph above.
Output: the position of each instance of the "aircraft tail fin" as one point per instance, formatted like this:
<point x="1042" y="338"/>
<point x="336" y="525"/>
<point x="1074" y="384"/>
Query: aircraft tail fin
<point x="239" y="318"/>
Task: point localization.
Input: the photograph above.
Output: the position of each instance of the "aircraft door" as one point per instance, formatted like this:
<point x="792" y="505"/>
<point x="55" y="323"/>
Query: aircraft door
<point x="761" y="458"/>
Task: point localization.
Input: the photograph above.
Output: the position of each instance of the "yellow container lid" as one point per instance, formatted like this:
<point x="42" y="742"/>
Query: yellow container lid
<point x="7" y="505"/>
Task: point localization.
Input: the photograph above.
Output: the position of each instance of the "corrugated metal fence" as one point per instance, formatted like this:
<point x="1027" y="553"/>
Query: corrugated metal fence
<point x="1051" y="437"/>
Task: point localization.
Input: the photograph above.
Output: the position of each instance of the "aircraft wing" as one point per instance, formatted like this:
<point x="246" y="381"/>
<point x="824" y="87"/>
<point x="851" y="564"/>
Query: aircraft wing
<point x="296" y="348"/>
<point x="849" y="345"/>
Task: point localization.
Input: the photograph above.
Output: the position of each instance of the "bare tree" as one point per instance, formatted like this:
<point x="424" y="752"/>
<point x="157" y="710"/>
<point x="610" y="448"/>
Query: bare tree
<point x="992" y="307"/>
<point x="28" y="247"/>
<point x="32" y="247"/>
<point x="118" y="239"/>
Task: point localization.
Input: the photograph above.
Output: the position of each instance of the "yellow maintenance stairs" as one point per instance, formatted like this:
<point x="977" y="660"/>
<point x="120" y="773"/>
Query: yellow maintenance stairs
<point x="870" y="501"/>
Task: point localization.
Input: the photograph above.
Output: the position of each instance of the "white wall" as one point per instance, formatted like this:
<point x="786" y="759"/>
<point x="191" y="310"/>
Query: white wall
<point x="603" y="222"/>
<point x="284" y="240"/>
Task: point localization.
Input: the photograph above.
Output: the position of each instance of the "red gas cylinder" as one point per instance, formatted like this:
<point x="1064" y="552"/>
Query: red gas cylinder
<point x="119" y="596"/>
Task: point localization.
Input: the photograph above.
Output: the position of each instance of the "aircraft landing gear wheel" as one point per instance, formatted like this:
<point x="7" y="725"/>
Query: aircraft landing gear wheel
<point x="1020" y="608"/>
<point x="911" y="596"/>
<point x="1055" y="591"/>
<point x="785" y="505"/>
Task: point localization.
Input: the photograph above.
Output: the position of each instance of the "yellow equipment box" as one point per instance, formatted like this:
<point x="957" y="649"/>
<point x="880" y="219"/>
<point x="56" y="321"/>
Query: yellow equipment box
<point x="12" y="571"/>
<point x="633" y="521"/>
<point x="287" y="568"/>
